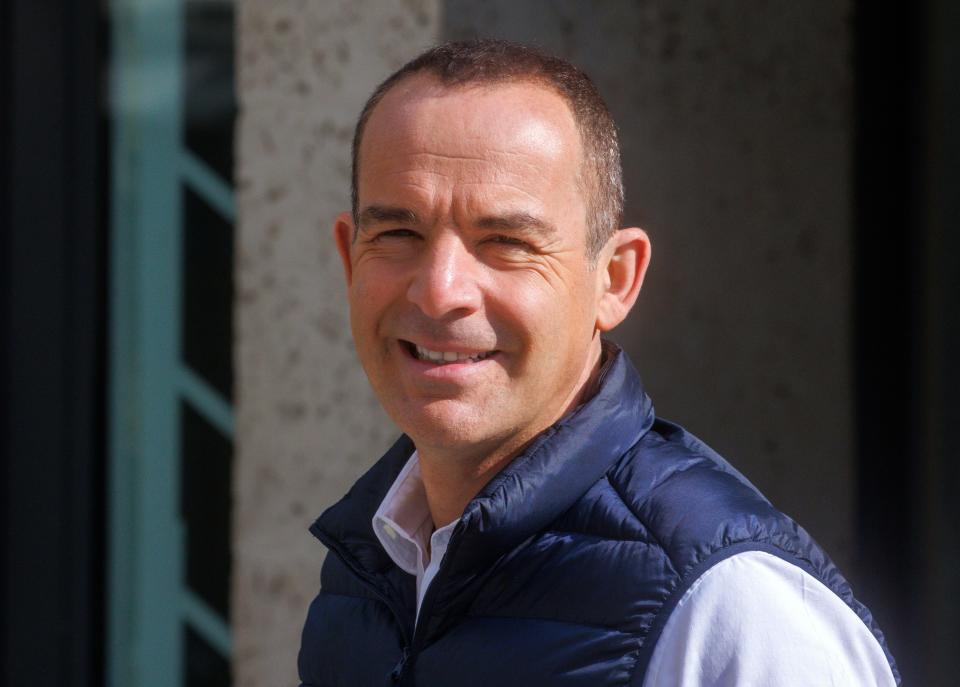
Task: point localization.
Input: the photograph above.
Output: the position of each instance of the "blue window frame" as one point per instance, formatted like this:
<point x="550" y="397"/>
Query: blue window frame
<point x="171" y="428"/>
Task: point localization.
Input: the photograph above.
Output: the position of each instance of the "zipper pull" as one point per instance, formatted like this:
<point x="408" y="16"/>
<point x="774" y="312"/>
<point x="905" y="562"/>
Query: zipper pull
<point x="397" y="672"/>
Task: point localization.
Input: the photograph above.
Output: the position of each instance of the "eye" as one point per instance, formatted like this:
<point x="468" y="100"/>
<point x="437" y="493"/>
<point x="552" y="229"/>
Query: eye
<point x="395" y="234"/>
<point x="508" y="241"/>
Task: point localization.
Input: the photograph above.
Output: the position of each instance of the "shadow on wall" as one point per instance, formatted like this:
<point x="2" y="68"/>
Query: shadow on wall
<point x="736" y="136"/>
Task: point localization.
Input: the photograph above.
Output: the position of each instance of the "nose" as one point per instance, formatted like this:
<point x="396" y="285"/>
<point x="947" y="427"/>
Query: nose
<point x="445" y="281"/>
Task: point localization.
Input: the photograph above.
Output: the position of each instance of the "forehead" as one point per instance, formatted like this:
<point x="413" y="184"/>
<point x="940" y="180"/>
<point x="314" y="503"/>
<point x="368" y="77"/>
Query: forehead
<point x="490" y="131"/>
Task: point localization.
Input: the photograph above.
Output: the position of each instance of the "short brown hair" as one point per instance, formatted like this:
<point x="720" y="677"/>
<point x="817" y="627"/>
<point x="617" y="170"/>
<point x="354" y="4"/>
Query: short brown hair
<point x="495" y="61"/>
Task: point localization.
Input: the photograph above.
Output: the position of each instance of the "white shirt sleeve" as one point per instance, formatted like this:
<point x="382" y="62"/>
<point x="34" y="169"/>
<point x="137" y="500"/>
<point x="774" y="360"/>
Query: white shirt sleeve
<point x="754" y="619"/>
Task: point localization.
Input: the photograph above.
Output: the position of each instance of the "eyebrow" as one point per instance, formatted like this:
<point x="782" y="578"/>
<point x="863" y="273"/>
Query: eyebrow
<point x="515" y="222"/>
<point x="519" y="222"/>
<point x="382" y="214"/>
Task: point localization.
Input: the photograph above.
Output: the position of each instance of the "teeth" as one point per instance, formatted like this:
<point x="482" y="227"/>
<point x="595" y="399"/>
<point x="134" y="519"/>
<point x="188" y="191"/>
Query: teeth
<point x="441" y="357"/>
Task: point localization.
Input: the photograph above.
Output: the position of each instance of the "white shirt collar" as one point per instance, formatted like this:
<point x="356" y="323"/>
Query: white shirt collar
<point x="402" y="523"/>
<point x="404" y="527"/>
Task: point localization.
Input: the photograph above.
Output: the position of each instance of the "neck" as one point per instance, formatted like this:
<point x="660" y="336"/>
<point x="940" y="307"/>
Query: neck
<point x="452" y="479"/>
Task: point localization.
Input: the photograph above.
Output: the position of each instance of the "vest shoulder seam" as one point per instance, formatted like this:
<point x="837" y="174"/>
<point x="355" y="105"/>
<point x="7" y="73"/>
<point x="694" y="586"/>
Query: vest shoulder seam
<point x="653" y="535"/>
<point x="593" y="535"/>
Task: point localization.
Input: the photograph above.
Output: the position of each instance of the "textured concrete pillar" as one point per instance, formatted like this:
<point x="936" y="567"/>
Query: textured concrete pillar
<point x="737" y="142"/>
<point x="307" y="422"/>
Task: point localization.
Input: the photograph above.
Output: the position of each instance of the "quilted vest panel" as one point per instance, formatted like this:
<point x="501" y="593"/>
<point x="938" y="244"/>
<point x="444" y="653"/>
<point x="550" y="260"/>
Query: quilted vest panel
<point x="563" y="571"/>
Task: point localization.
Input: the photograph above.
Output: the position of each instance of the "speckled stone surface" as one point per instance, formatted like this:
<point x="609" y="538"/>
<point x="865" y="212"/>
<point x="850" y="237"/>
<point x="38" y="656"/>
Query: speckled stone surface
<point x="737" y="138"/>
<point x="307" y="423"/>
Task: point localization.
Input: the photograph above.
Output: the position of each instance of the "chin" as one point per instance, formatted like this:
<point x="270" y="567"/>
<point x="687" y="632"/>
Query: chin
<point x="445" y="423"/>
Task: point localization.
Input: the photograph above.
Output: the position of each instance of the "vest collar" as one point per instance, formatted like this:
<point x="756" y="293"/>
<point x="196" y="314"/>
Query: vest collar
<point x="523" y="498"/>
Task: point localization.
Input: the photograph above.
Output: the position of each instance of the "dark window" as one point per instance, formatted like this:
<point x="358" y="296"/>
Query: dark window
<point x="209" y="104"/>
<point x="203" y="666"/>
<point x="207" y="293"/>
<point x="205" y="473"/>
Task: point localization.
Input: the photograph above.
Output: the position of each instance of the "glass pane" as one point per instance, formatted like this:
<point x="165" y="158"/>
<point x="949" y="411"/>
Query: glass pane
<point x="202" y="665"/>
<point x="205" y="473"/>
<point x="209" y="104"/>
<point x="207" y="293"/>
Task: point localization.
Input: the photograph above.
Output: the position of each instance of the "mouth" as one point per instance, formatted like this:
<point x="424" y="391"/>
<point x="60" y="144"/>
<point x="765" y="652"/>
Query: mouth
<point x="444" y="357"/>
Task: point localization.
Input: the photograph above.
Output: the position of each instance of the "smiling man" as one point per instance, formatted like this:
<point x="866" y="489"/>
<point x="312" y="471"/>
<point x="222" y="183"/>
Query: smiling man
<point x="537" y="524"/>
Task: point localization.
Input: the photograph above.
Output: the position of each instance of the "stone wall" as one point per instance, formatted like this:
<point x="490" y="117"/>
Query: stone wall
<point x="307" y="423"/>
<point x="737" y="138"/>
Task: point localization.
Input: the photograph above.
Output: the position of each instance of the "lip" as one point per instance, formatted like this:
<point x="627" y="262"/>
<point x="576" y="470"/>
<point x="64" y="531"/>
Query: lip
<point x="440" y="346"/>
<point x="459" y="371"/>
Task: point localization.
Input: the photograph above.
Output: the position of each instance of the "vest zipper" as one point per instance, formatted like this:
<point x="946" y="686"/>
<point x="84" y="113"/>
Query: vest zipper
<point x="397" y="674"/>
<point x="425" y="608"/>
<point x="412" y="645"/>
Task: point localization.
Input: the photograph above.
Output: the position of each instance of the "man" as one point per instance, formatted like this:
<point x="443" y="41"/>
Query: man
<point x="536" y="524"/>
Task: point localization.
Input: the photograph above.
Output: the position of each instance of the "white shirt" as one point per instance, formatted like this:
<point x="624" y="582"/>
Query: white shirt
<point x="752" y="619"/>
<point x="403" y="525"/>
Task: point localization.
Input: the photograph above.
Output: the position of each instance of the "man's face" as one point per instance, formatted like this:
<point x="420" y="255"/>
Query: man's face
<point x="471" y="251"/>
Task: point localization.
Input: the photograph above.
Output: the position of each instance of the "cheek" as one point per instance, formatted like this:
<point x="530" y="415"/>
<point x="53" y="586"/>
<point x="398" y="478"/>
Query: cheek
<point x="365" y="318"/>
<point x="370" y="292"/>
<point x="555" y="307"/>
<point x="553" y="326"/>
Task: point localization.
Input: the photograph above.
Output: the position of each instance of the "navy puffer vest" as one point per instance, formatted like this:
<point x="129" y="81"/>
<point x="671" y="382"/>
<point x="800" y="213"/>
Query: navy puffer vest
<point x="561" y="572"/>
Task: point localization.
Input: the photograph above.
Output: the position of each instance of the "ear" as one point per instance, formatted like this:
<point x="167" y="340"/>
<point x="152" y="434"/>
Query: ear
<point x="624" y="261"/>
<point x="343" y="236"/>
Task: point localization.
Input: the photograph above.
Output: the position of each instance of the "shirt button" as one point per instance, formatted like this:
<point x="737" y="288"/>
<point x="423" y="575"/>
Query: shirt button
<point x="392" y="533"/>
